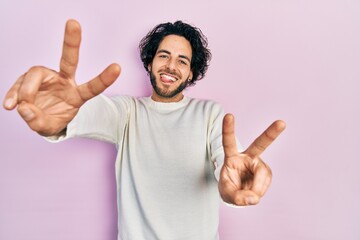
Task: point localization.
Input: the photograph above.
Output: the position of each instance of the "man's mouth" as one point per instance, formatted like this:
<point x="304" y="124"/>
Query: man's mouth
<point x="167" y="78"/>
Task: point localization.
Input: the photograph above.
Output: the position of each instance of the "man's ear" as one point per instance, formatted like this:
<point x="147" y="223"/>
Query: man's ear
<point x="190" y="75"/>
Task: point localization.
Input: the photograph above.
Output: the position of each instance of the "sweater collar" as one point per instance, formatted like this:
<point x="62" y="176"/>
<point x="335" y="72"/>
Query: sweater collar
<point x="167" y="106"/>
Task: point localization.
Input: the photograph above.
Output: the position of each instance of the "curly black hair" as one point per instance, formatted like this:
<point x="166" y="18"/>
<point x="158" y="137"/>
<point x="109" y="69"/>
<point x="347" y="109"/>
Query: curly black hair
<point x="201" y="55"/>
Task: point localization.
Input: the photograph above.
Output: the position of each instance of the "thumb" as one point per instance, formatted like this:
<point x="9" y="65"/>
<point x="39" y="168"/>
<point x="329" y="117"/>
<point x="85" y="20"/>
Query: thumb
<point x="245" y="197"/>
<point x="97" y="85"/>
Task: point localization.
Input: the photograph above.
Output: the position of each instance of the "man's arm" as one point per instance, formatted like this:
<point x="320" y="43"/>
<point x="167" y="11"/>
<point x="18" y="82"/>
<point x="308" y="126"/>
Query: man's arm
<point x="48" y="100"/>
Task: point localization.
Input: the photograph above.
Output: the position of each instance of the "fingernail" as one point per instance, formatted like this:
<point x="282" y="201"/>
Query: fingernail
<point x="250" y="200"/>
<point x="8" y="103"/>
<point x="27" y="114"/>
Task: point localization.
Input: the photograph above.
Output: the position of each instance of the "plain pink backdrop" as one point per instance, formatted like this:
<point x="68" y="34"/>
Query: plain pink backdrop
<point x="293" y="60"/>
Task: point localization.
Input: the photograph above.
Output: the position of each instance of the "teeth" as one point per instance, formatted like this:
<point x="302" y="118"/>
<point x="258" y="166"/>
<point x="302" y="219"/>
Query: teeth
<point x="168" y="77"/>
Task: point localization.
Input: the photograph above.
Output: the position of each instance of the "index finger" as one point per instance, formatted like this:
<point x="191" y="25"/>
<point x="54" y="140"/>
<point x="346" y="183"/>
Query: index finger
<point x="228" y="136"/>
<point x="266" y="138"/>
<point x="71" y="46"/>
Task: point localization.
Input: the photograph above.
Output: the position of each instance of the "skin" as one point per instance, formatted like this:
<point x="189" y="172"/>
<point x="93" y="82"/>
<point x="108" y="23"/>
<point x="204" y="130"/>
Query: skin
<point x="245" y="177"/>
<point x="173" y="58"/>
<point x="48" y="100"/>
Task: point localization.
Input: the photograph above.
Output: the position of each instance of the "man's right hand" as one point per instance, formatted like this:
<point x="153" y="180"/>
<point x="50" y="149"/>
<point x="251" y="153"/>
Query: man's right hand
<point x="48" y="100"/>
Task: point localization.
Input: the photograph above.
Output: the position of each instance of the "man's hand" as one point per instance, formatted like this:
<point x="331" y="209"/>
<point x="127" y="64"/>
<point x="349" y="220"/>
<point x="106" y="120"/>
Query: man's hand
<point x="48" y="100"/>
<point x="244" y="177"/>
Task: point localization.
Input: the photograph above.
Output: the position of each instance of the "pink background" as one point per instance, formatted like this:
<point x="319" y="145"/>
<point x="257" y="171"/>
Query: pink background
<point x="292" y="60"/>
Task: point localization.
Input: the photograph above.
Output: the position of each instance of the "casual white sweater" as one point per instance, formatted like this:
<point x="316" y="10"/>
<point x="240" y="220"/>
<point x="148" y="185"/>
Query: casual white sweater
<point x="165" y="164"/>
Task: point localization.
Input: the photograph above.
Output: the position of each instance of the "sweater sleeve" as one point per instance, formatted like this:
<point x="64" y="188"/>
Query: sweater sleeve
<point x="100" y="118"/>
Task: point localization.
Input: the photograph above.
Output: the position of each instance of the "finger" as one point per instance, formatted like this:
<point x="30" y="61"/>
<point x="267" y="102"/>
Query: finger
<point x="244" y="198"/>
<point x="37" y="120"/>
<point x="262" y="178"/>
<point x="30" y="84"/>
<point x="11" y="97"/>
<point x="228" y="136"/>
<point x="31" y="115"/>
<point x="71" y="46"/>
<point x="97" y="85"/>
<point x="27" y="111"/>
<point x="266" y="138"/>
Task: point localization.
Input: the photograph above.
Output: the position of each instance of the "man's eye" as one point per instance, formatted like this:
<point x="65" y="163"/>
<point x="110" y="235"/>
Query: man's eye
<point x="162" y="56"/>
<point x="182" y="62"/>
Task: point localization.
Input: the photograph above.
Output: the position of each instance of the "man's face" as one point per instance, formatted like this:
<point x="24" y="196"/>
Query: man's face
<point x="170" y="69"/>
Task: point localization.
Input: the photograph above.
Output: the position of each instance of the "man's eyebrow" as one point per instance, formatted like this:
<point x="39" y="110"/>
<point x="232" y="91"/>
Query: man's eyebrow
<point x="163" y="51"/>
<point x="187" y="58"/>
<point x="167" y="52"/>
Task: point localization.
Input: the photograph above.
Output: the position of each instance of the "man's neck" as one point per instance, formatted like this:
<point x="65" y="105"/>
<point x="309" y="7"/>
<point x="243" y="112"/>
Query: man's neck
<point x="176" y="98"/>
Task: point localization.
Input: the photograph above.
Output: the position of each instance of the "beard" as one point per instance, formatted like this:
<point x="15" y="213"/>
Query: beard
<point x="165" y="93"/>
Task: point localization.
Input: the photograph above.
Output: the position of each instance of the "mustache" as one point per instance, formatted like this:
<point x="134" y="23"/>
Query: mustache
<point x="173" y="72"/>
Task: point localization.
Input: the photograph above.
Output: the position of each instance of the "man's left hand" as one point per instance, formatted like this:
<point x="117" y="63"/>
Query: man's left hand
<point x="245" y="177"/>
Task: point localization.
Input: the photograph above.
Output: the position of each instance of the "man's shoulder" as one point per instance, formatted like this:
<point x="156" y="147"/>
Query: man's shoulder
<point x="123" y="98"/>
<point x="207" y="102"/>
<point x="207" y="105"/>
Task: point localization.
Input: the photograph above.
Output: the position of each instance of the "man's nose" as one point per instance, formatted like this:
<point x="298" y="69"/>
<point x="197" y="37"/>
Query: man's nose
<point x="171" y="64"/>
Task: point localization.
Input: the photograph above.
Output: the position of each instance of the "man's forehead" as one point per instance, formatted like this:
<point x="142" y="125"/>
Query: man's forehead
<point x="174" y="44"/>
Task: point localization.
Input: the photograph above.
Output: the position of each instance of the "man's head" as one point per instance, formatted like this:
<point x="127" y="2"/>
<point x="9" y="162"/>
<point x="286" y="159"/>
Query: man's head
<point x="175" y="55"/>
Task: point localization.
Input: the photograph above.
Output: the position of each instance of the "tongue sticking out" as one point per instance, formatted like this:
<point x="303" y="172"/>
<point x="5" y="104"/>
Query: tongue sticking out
<point x="167" y="79"/>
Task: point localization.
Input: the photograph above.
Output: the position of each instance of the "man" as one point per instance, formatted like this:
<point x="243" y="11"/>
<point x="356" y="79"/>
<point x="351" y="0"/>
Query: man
<point x="169" y="146"/>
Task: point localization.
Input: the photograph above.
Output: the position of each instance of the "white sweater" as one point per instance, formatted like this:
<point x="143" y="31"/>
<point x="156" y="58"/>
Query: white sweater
<point x="165" y="164"/>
